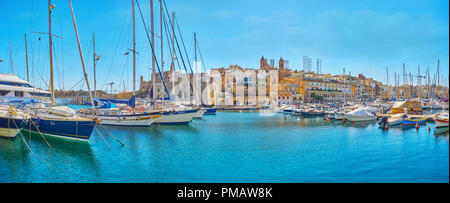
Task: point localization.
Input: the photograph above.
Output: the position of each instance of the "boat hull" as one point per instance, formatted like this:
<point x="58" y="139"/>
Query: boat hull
<point x="127" y="122"/>
<point x="8" y="127"/>
<point x="339" y="116"/>
<point x="441" y="123"/>
<point x="330" y="115"/>
<point x="67" y="129"/>
<point x="199" y="113"/>
<point x="176" y="118"/>
<point x="312" y="114"/>
<point x="413" y="122"/>
<point x="360" y="119"/>
<point x="210" y="111"/>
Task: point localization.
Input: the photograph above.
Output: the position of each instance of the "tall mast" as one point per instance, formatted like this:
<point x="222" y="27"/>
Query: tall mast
<point x="387" y="75"/>
<point x="50" y="7"/>
<point x="438" y="73"/>
<point x="162" y="42"/>
<point x="162" y="31"/>
<point x="11" y="59"/>
<point x="26" y="55"/>
<point x="196" y="67"/>
<point x="95" y="79"/>
<point x="195" y="50"/>
<point x="134" y="52"/>
<point x="152" y="20"/>
<point x="81" y="54"/>
<point x="172" y="66"/>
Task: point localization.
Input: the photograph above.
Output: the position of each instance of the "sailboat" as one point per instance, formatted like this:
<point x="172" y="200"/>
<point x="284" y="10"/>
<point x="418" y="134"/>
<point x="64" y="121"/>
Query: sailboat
<point x="172" y="113"/>
<point x="60" y="121"/>
<point x="110" y="114"/>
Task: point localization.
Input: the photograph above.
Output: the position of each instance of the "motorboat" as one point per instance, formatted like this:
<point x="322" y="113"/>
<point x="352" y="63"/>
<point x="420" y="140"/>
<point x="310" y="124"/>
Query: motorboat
<point x="331" y="114"/>
<point x="312" y="113"/>
<point x="394" y="120"/>
<point x="13" y="87"/>
<point x="359" y="115"/>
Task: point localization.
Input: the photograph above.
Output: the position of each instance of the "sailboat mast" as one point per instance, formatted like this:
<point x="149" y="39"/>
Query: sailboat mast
<point x="172" y="66"/>
<point x="11" y="59"/>
<point x="161" y="35"/>
<point x="162" y="42"/>
<point x="95" y="79"/>
<point x="81" y="54"/>
<point x="195" y="50"/>
<point x="26" y="58"/>
<point x="134" y="51"/>
<point x="50" y="7"/>
<point x="438" y="73"/>
<point x="152" y="20"/>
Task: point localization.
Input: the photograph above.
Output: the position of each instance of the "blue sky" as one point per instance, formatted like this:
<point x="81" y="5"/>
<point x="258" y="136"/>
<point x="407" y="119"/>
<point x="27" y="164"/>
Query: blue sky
<point x="362" y="36"/>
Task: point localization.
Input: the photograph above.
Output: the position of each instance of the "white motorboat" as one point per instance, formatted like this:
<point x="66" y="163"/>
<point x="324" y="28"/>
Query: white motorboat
<point x="13" y="87"/>
<point x="360" y="115"/>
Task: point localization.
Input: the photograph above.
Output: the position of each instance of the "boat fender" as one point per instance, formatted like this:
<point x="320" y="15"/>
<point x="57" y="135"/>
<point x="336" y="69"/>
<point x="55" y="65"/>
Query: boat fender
<point x="97" y="121"/>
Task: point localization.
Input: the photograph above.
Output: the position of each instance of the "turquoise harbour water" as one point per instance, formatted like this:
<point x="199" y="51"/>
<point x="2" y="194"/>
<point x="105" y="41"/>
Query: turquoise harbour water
<point x="235" y="147"/>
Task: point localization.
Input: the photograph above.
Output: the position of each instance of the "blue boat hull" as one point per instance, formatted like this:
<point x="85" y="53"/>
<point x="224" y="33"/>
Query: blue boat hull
<point x="305" y="114"/>
<point x="11" y="123"/>
<point x="413" y="123"/>
<point x="77" y="130"/>
<point x="9" y="127"/>
<point x="210" y="111"/>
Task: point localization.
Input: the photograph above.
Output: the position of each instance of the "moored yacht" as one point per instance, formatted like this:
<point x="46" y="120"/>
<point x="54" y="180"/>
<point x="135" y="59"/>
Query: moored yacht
<point x="13" y="87"/>
<point x="62" y="122"/>
<point x="360" y="115"/>
<point x="117" y="117"/>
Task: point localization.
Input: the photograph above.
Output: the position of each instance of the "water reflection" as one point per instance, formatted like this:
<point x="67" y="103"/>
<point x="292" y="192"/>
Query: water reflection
<point x="63" y="155"/>
<point x="441" y="132"/>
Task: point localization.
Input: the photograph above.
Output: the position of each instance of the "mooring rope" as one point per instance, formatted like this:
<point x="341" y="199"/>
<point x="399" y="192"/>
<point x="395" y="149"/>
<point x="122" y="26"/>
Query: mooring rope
<point x="110" y="134"/>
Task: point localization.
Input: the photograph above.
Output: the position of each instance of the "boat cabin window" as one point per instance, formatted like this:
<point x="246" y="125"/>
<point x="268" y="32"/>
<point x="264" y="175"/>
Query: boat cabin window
<point x="18" y="94"/>
<point x="14" y="84"/>
<point x="37" y="94"/>
<point x="3" y="92"/>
